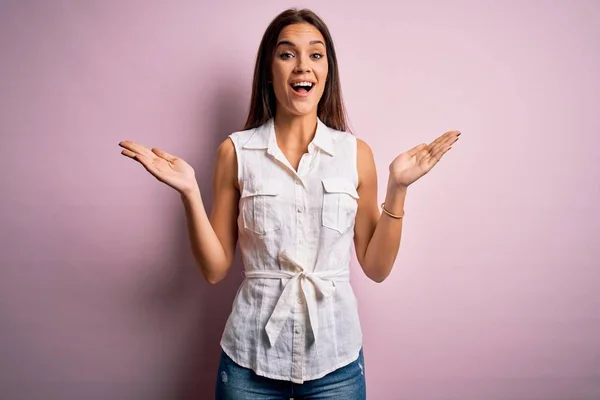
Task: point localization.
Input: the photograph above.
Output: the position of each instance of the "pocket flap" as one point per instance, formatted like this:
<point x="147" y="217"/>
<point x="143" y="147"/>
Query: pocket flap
<point x="260" y="188"/>
<point x="339" y="185"/>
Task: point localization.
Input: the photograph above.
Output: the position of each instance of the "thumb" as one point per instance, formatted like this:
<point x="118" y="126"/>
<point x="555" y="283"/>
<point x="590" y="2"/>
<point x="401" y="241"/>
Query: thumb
<point x="164" y="154"/>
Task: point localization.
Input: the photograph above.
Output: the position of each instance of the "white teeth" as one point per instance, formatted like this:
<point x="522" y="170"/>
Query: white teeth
<point x="305" y="84"/>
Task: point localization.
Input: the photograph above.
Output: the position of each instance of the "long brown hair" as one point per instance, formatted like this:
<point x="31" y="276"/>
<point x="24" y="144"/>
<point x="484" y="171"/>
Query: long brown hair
<point x="331" y="110"/>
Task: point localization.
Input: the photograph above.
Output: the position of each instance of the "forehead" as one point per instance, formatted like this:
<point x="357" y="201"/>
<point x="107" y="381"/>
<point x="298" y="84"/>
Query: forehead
<point x="302" y="33"/>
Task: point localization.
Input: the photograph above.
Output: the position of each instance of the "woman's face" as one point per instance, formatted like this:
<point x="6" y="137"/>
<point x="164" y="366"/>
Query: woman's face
<point x="299" y="69"/>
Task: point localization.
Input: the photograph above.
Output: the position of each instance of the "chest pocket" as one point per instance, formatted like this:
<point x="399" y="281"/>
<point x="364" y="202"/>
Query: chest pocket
<point x="259" y="206"/>
<point x="339" y="204"/>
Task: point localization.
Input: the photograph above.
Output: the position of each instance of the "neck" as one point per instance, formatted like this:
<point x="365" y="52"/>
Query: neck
<point x="295" y="131"/>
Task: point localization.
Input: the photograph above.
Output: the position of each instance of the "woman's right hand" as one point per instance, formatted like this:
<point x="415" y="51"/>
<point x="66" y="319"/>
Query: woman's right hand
<point x="165" y="167"/>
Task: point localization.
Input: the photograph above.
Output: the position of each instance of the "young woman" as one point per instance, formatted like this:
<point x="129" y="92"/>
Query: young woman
<point x="296" y="191"/>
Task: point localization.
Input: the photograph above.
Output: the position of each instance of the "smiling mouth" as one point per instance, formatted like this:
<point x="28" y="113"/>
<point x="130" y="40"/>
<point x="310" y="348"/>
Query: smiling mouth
<point x="302" y="87"/>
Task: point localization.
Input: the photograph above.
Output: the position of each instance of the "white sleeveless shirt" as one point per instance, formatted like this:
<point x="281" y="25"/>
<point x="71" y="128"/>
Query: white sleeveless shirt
<point x="295" y="315"/>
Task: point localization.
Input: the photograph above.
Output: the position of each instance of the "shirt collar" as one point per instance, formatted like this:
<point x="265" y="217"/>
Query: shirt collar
<point x="264" y="138"/>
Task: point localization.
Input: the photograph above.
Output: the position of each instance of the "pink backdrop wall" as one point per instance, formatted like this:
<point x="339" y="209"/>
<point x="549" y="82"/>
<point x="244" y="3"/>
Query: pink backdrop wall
<point x="495" y="294"/>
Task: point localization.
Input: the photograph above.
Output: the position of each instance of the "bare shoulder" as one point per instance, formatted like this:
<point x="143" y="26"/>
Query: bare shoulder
<point x="226" y="162"/>
<point x="365" y="161"/>
<point x="226" y="150"/>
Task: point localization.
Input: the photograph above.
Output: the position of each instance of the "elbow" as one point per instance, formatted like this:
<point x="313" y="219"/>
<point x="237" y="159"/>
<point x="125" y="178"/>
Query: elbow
<point x="376" y="268"/>
<point x="378" y="273"/>
<point x="378" y="278"/>
<point x="213" y="281"/>
<point x="214" y="276"/>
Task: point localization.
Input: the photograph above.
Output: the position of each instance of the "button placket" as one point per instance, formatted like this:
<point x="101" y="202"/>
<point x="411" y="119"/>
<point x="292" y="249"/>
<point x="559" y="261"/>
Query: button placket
<point x="299" y="205"/>
<point x="299" y="339"/>
<point x="301" y="201"/>
<point x="298" y="343"/>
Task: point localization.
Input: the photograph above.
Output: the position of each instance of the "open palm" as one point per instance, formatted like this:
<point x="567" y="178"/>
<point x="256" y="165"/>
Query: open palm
<point x="416" y="162"/>
<point x="165" y="167"/>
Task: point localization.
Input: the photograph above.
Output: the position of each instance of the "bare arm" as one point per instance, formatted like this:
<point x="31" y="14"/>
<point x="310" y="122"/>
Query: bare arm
<point x="376" y="236"/>
<point x="213" y="239"/>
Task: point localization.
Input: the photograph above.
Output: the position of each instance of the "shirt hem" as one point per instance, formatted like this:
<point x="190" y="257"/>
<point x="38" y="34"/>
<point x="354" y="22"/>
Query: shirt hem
<point x="321" y="374"/>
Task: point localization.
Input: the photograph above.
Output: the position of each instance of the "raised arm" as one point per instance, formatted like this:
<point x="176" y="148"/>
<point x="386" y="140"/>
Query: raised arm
<point x="377" y="236"/>
<point x="213" y="239"/>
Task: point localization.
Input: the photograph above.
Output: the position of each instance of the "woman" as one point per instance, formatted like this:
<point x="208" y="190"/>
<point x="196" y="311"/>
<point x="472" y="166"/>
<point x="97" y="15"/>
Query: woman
<point x="296" y="190"/>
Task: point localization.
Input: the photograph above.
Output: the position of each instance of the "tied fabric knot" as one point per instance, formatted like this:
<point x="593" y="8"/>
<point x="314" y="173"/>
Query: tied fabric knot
<point x="299" y="280"/>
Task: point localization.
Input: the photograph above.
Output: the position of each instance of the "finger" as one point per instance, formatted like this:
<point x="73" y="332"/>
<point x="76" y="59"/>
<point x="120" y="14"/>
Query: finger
<point x="448" y="140"/>
<point x="128" y="153"/>
<point x="440" y="147"/>
<point x="136" y="156"/>
<point x="412" y="152"/>
<point x="434" y="152"/>
<point x="428" y="161"/>
<point x="439" y="153"/>
<point x="147" y="164"/>
<point x="423" y="155"/>
<point x="450" y="135"/>
<point x="431" y="152"/>
<point x="164" y="154"/>
<point x="135" y="147"/>
<point x="438" y="140"/>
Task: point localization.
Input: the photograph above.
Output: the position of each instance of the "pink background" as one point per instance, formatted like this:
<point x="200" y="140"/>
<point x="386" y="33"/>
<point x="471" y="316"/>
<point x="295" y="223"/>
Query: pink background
<point x="495" y="294"/>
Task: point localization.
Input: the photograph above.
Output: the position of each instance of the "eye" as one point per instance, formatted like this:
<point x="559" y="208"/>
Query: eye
<point x="318" y="55"/>
<point x="285" y="55"/>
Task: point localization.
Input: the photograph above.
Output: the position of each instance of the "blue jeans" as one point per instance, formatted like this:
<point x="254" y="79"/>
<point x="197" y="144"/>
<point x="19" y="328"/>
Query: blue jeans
<point x="238" y="383"/>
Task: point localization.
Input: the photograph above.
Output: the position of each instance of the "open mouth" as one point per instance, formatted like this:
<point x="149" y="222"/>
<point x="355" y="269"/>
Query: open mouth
<point x="302" y="87"/>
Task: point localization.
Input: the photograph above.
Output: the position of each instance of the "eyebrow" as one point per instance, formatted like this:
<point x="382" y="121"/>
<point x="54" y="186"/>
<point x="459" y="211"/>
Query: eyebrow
<point x="289" y="43"/>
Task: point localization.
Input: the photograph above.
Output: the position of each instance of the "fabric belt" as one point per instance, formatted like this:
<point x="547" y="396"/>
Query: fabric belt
<point x="299" y="280"/>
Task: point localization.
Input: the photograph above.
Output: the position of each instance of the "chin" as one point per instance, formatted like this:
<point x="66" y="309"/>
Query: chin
<point x="302" y="108"/>
<point x="301" y="112"/>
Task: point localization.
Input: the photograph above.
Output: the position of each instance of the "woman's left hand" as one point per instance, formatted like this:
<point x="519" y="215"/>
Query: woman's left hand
<point x="416" y="162"/>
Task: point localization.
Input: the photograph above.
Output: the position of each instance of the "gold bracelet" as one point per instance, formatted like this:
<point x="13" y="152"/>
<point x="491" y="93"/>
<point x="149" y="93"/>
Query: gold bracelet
<point x="390" y="214"/>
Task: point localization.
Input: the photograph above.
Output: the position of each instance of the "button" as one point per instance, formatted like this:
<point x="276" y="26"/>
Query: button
<point x="301" y="241"/>
<point x="299" y="209"/>
<point x="300" y="301"/>
<point x="297" y="330"/>
<point x="298" y="182"/>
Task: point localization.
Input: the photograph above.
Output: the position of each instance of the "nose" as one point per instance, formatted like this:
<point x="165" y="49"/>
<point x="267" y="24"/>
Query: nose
<point x="300" y="69"/>
<point x="302" y="65"/>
